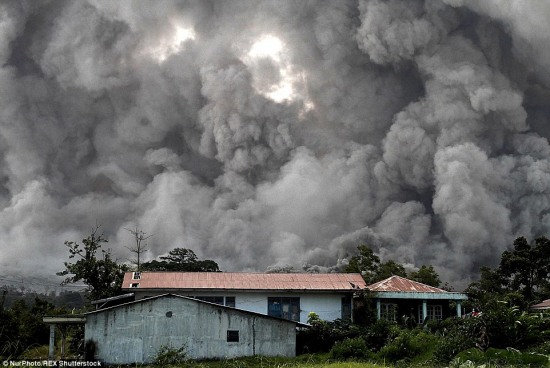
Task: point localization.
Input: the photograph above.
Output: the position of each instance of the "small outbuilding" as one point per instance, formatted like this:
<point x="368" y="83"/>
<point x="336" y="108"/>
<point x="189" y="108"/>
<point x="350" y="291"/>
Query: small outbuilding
<point x="397" y="296"/>
<point x="134" y="332"/>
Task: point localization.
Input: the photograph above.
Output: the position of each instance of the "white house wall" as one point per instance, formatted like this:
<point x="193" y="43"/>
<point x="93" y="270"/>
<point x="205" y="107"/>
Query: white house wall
<point x="133" y="333"/>
<point x="327" y="306"/>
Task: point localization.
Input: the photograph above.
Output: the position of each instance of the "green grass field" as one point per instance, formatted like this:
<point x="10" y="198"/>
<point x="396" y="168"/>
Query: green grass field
<point x="302" y="361"/>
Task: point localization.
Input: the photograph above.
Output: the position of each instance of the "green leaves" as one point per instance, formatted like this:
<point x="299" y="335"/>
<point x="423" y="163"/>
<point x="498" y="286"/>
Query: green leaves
<point x="522" y="278"/>
<point x="527" y="268"/>
<point x="181" y="260"/>
<point x="426" y="275"/>
<point x="100" y="272"/>
<point x="369" y="266"/>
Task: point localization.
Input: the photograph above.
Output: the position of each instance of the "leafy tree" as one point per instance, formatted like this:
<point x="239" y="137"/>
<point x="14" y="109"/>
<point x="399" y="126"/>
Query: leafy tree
<point x="527" y="267"/>
<point x="488" y="287"/>
<point x="369" y="266"/>
<point x="388" y="269"/>
<point x="426" y="275"/>
<point x="21" y="327"/>
<point x="522" y="278"/>
<point x="181" y="260"/>
<point x="100" y="272"/>
<point x="366" y="263"/>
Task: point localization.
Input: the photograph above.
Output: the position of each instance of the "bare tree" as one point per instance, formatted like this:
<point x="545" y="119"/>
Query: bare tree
<point x="140" y="247"/>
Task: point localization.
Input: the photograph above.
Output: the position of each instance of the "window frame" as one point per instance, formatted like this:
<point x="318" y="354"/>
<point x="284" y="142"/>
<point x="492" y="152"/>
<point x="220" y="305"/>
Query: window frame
<point x="291" y="304"/>
<point x="434" y="313"/>
<point x="347" y="308"/>
<point x="233" y="336"/>
<point x="388" y="310"/>
<point x="227" y="301"/>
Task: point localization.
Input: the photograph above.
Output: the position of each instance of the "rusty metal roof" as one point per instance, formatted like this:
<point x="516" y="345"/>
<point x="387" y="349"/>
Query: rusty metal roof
<point x="401" y="284"/>
<point x="543" y="305"/>
<point x="245" y="281"/>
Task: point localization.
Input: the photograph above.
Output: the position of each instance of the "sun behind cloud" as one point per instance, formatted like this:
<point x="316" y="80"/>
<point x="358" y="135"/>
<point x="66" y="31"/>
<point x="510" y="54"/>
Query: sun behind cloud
<point x="170" y="44"/>
<point x="274" y="75"/>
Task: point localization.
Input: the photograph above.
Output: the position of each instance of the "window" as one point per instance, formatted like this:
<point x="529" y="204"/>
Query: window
<point x="388" y="311"/>
<point x="232" y="336"/>
<point x="134" y="285"/>
<point x="228" y="301"/>
<point x="346" y="308"/>
<point x="435" y="312"/>
<point x="137" y="276"/>
<point x="287" y="308"/>
<point x="211" y="299"/>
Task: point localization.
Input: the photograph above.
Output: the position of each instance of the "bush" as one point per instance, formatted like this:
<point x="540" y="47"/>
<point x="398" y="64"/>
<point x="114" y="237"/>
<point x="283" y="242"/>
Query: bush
<point x="450" y="345"/>
<point x="350" y="348"/>
<point x="408" y="345"/>
<point x="442" y="327"/>
<point x="380" y="333"/>
<point x="543" y="348"/>
<point x="501" y="357"/>
<point x="168" y="355"/>
<point x="322" y="335"/>
<point x="474" y="355"/>
<point x="508" y="326"/>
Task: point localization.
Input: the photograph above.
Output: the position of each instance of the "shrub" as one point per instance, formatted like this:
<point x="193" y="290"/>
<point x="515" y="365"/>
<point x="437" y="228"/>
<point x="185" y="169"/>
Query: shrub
<point x="322" y="335"/>
<point x="451" y="344"/>
<point x="442" y="327"/>
<point x="379" y="333"/>
<point x="168" y="355"/>
<point x="350" y="348"/>
<point x="507" y="326"/>
<point x="502" y="357"/>
<point x="408" y="345"/>
<point x="543" y="348"/>
<point x="474" y="355"/>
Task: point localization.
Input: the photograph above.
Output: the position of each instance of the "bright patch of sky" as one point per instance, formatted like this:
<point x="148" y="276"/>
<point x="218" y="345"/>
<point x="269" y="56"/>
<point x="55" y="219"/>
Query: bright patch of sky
<point x="281" y="84"/>
<point x="172" y="44"/>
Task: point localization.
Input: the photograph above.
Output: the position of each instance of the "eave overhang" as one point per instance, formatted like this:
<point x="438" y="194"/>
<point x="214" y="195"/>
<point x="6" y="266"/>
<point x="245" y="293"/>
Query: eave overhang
<point x="208" y="290"/>
<point x="65" y="319"/>
<point x="419" y="295"/>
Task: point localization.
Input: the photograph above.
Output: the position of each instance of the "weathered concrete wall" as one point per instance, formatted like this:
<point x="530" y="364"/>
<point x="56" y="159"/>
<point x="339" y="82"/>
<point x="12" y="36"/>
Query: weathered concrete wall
<point x="328" y="306"/>
<point x="133" y="333"/>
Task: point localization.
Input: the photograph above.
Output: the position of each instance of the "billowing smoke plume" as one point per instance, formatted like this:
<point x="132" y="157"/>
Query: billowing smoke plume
<point x="270" y="134"/>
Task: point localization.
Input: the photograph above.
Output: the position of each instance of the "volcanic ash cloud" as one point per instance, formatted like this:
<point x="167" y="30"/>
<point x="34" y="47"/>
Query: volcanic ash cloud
<point x="267" y="135"/>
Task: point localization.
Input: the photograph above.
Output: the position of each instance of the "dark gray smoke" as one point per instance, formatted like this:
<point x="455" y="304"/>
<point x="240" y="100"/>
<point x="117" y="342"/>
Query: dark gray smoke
<point x="275" y="134"/>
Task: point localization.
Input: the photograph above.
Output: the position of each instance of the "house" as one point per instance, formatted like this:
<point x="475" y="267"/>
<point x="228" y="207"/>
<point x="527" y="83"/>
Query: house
<point x="542" y="306"/>
<point x="290" y="296"/>
<point x="397" y="296"/>
<point x="134" y="332"/>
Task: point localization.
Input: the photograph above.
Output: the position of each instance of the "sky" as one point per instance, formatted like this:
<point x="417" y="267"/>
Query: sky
<point x="268" y="134"/>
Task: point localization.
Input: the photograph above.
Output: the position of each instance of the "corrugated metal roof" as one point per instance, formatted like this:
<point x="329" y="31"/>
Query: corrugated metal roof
<point x="543" y="305"/>
<point x="401" y="284"/>
<point x="245" y="281"/>
<point x="218" y="306"/>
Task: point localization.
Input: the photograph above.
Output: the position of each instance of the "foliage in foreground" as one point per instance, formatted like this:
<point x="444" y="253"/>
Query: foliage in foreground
<point x="169" y="355"/>
<point x="501" y="357"/>
<point x="21" y="326"/>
